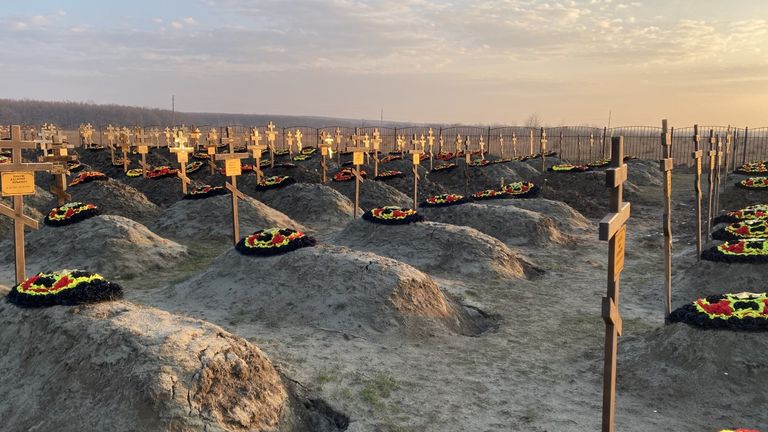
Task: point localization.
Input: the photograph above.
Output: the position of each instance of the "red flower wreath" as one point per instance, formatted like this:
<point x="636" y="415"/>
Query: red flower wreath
<point x="757" y="211"/>
<point x="193" y="166"/>
<point x="754" y="183"/>
<point x="346" y="175"/>
<point x="274" y="182"/>
<point x="443" y="167"/>
<point x="743" y="311"/>
<point x="521" y="190"/>
<point x="390" y="158"/>
<point x="273" y="241"/>
<point x="63" y="288"/>
<point x="388" y="175"/>
<point x="161" y="172"/>
<point x="70" y="213"/>
<point x="86" y="177"/>
<point x="444" y="200"/>
<point x="392" y="215"/>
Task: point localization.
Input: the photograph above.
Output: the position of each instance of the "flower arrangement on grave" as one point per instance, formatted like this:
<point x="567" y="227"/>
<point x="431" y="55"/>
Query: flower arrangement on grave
<point x="600" y="163"/>
<point x="161" y="172"/>
<point x="302" y="157"/>
<point x="346" y="175"/>
<point x="755" y="228"/>
<point x="70" y="213"/>
<point x="757" y="211"/>
<point x="86" y="177"/>
<point x="490" y="194"/>
<point x="742" y="311"/>
<point x="96" y="147"/>
<point x="444" y="200"/>
<point x="65" y="287"/>
<point x="206" y="191"/>
<point x="740" y="430"/>
<point x="286" y="165"/>
<point x="445" y="166"/>
<point x="4" y="159"/>
<point x="754" y="168"/>
<point x="392" y="215"/>
<point x="523" y="158"/>
<point x="521" y="189"/>
<point x="200" y="156"/>
<point x="753" y="183"/>
<point x="273" y="241"/>
<point x="388" y="175"/>
<point x="263" y="163"/>
<point x="194" y="166"/>
<point x="568" y="168"/>
<point x="753" y="250"/>
<point x="308" y="151"/>
<point x="74" y="166"/>
<point x="274" y="182"/>
<point x="6" y="153"/>
<point x="134" y="172"/>
<point x="279" y="153"/>
<point x="501" y="161"/>
<point x="446" y="156"/>
<point x="117" y="163"/>
<point x="478" y="163"/>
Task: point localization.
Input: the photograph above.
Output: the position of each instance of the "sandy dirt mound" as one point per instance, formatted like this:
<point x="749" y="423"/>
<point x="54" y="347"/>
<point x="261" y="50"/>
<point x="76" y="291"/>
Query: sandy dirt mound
<point x="710" y="277"/>
<point x="437" y="248"/>
<point x="512" y="225"/>
<point x="713" y="376"/>
<point x="733" y="198"/>
<point x="115" y="198"/>
<point x="326" y="286"/>
<point x="112" y="245"/>
<point x="121" y="367"/>
<point x="586" y="192"/>
<point x="164" y="191"/>
<point x="373" y="194"/>
<point x="644" y="173"/>
<point x="477" y="179"/>
<point x="211" y="219"/>
<point x="566" y="217"/>
<point x="314" y="205"/>
<point x="6" y="224"/>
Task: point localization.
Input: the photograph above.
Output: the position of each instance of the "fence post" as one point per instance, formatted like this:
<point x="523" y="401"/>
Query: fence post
<point x="744" y="154"/>
<point x="666" y="165"/>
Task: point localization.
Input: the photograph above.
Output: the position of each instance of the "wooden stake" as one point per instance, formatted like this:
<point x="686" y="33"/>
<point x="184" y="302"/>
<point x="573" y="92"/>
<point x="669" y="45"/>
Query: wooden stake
<point x="326" y="150"/>
<point x="697" y="156"/>
<point x="256" y="150"/>
<point x="271" y="138"/>
<point x="431" y="142"/>
<point x="613" y="229"/>
<point x="182" y="156"/>
<point x="718" y="183"/>
<point x="711" y="182"/>
<point x="666" y="165"/>
<point x="416" y="161"/>
<point x="18" y="179"/>
<point x="543" y="149"/>
<point x="376" y="146"/>
<point x="60" y="158"/>
<point x="232" y="169"/>
<point x="358" y="155"/>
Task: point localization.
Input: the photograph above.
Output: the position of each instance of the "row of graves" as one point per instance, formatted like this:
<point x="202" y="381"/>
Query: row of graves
<point x="224" y="156"/>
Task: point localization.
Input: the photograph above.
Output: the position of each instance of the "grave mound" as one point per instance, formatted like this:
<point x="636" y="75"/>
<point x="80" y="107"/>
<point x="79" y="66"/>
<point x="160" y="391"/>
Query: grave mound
<point x="121" y="367"/>
<point x="437" y="248"/>
<point x="326" y="286"/>
<point x="116" y="198"/>
<point x="566" y="217"/>
<point x="373" y="194"/>
<point x="314" y="205"/>
<point x="644" y="173"/>
<point x="707" y="278"/>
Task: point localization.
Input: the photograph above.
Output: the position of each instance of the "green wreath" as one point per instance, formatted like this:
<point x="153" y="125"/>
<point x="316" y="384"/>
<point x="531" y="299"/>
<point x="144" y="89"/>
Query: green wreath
<point x="743" y="311"/>
<point x="389" y="174"/>
<point x="568" y="168"/>
<point x="754" y="250"/>
<point x="302" y="157"/>
<point x="490" y="194"/>
<point x="207" y="191"/>
<point x="754" y="168"/>
<point x="4" y="159"/>
<point x="74" y="166"/>
<point x="392" y="215"/>
<point x="70" y="213"/>
<point x="280" y="153"/>
<point x="600" y="163"/>
<point x="444" y="200"/>
<point x="161" y="172"/>
<point x="753" y="183"/>
<point x="757" y="211"/>
<point x="66" y="287"/>
<point x="193" y="166"/>
<point x="746" y="229"/>
<point x="309" y="151"/>
<point x="274" y="182"/>
<point x="521" y="189"/>
<point x="479" y="163"/>
<point x="273" y="241"/>
<point x="443" y="167"/>
<point x="96" y="147"/>
<point x="135" y="172"/>
<point x="87" y="177"/>
<point x="201" y="156"/>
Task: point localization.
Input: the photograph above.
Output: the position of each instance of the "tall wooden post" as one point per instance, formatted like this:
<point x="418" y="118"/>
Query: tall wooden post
<point x="578" y="148"/>
<point x="416" y="161"/>
<point x="543" y="149"/>
<point x="256" y="150"/>
<point x="60" y="170"/>
<point x="232" y="169"/>
<point x="339" y="137"/>
<point x="746" y="141"/>
<point x="560" y="147"/>
<point x="718" y="183"/>
<point x="326" y="151"/>
<point x="111" y="139"/>
<point x="501" y="147"/>
<point x="711" y="181"/>
<point x="125" y="147"/>
<point x="212" y="143"/>
<point x="358" y="155"/>
<point x="182" y="156"/>
<point x="431" y="143"/>
<point x="514" y="145"/>
<point x="530" y="141"/>
<point x="666" y="165"/>
<point x="613" y="229"/>
<point x="376" y="146"/>
<point x="142" y="146"/>
<point x="728" y="142"/>
<point x="271" y="137"/>
<point x="697" y="155"/>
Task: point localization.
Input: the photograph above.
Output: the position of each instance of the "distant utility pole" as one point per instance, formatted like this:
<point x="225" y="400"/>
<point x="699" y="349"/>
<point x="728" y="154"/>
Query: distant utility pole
<point x="173" y="109"/>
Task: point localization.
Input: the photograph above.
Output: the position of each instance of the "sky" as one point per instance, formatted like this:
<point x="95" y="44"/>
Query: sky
<point x="474" y="62"/>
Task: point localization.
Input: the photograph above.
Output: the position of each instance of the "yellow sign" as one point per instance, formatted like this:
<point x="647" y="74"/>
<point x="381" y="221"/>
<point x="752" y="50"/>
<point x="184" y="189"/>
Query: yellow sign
<point x="323" y="151"/>
<point x="143" y="149"/>
<point x="63" y="152"/>
<point x="468" y="158"/>
<point x="618" y="250"/>
<point x="357" y="158"/>
<point x="232" y="167"/>
<point x="182" y="157"/>
<point x="416" y="158"/>
<point x="211" y="150"/>
<point x="18" y="183"/>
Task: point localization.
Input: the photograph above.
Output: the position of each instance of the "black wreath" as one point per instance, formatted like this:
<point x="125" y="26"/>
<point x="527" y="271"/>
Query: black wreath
<point x="389" y="177"/>
<point x="533" y="192"/>
<point x="713" y="254"/>
<point x="288" y="181"/>
<point x="302" y="242"/>
<point x="200" y="193"/>
<point x="688" y="314"/>
<point x="724" y="235"/>
<point x="95" y="291"/>
<point x="743" y="186"/>
<point x="368" y="216"/>
<point x="463" y="200"/>
<point x="77" y="217"/>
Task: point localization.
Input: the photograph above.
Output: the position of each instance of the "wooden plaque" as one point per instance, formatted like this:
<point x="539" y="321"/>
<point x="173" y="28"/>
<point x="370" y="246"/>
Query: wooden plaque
<point x="232" y="167"/>
<point x="182" y="157"/>
<point x="618" y="251"/>
<point x="211" y="150"/>
<point x="357" y="158"/>
<point x="18" y="183"/>
<point x="324" y="151"/>
<point x="63" y="152"/>
<point x="468" y="158"/>
<point x="142" y="149"/>
<point x="416" y="158"/>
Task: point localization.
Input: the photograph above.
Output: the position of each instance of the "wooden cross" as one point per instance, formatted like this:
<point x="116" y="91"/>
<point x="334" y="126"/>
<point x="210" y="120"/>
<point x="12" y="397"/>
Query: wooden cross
<point x="501" y="144"/>
<point x="289" y="141"/>
<point x="111" y="139"/>
<point x="45" y="138"/>
<point x="543" y="149"/>
<point x="60" y="170"/>
<point x="467" y="150"/>
<point x="401" y="144"/>
<point x="514" y="145"/>
<point x="232" y="169"/>
<point x="169" y="135"/>
<point x="16" y="180"/>
<point x="299" y="135"/>
<point x="326" y="150"/>
<point x="719" y="151"/>
<point x="125" y="146"/>
<point x="376" y="142"/>
<point x="256" y="149"/>
<point x="194" y="138"/>
<point x="613" y="229"/>
<point x="440" y="144"/>
<point x="697" y="155"/>
<point x="560" y="148"/>
<point x="182" y="156"/>
<point x="481" y="143"/>
<point x="591" y="143"/>
<point x="271" y="137"/>
<point x="530" y="140"/>
<point x="457" y="150"/>
<point x="211" y="146"/>
<point x="86" y="135"/>
<point x="666" y="165"/>
<point x="416" y="161"/>
<point x="431" y="143"/>
<point x="339" y="138"/>
<point x="728" y="142"/>
<point x="357" y="160"/>
<point x="711" y="181"/>
<point x="142" y="146"/>
<point x="155" y="134"/>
